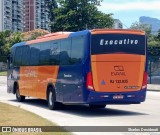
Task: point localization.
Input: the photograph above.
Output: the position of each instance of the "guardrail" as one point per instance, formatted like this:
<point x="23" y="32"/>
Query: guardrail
<point x="154" y="70"/>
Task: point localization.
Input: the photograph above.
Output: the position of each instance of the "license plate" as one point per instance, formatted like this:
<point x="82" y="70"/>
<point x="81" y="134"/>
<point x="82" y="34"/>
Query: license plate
<point x="118" y="97"/>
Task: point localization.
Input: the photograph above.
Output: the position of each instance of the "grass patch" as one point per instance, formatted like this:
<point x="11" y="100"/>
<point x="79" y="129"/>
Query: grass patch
<point x="15" y="116"/>
<point x="3" y="73"/>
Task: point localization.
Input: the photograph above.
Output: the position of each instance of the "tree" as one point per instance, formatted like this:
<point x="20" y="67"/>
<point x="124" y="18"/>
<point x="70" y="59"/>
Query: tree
<point x="31" y="35"/>
<point x="75" y="15"/>
<point x="4" y="38"/>
<point x="153" y="40"/>
<point x="158" y="36"/>
<point x="51" y="4"/>
<point x="8" y="38"/>
<point x="141" y="26"/>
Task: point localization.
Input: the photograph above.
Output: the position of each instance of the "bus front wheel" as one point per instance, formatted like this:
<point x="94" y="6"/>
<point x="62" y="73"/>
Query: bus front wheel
<point x="51" y="97"/>
<point x="18" y="96"/>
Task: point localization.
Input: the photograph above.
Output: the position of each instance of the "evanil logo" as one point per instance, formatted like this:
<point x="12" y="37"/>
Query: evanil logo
<point x="119" y="42"/>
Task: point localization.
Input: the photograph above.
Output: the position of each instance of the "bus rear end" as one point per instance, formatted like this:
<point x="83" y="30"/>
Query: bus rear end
<point x="118" y="67"/>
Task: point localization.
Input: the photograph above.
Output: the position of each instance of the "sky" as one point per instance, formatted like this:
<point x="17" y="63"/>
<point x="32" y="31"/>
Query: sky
<point x="129" y="11"/>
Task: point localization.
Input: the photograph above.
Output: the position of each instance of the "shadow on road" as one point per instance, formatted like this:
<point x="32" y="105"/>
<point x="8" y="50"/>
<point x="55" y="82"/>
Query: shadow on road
<point x="83" y="110"/>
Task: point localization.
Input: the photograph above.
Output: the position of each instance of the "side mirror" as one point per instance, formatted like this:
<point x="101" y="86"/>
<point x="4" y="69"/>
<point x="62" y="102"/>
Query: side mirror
<point x="9" y="61"/>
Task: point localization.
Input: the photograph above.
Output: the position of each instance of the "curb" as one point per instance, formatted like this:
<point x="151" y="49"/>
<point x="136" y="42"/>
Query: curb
<point x="153" y="87"/>
<point x="153" y="90"/>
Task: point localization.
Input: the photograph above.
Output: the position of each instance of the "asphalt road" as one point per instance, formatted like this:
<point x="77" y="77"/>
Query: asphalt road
<point x="145" y="114"/>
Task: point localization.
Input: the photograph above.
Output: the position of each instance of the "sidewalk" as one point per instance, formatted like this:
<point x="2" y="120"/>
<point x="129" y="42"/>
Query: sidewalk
<point x="153" y="87"/>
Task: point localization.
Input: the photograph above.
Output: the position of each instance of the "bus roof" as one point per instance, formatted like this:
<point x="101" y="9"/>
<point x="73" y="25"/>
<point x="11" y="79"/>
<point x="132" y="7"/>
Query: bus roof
<point x="117" y="31"/>
<point x="18" y="44"/>
<point x="56" y="36"/>
<point x="62" y="35"/>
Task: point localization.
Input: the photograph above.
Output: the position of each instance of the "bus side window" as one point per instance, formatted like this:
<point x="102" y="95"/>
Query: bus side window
<point x="55" y="52"/>
<point x="44" y="56"/>
<point x="77" y="49"/>
<point x="65" y="51"/>
<point x="34" y="55"/>
<point x="18" y="56"/>
<point x="25" y="55"/>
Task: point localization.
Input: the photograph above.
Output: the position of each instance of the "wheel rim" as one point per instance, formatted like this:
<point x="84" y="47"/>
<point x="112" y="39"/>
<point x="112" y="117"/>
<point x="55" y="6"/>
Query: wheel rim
<point x="50" y="98"/>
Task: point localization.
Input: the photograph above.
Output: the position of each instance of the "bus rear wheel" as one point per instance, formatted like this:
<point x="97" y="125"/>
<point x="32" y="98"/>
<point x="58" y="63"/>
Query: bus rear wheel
<point x="51" y="97"/>
<point x="18" y="96"/>
<point x="97" y="106"/>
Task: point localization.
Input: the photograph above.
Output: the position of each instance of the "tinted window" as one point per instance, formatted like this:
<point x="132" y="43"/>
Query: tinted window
<point x="112" y="43"/>
<point x="65" y="51"/>
<point x="12" y="57"/>
<point x="18" y="56"/>
<point x="45" y="53"/>
<point x="55" y="52"/>
<point x="25" y="55"/>
<point x="77" y="49"/>
<point x="34" y="55"/>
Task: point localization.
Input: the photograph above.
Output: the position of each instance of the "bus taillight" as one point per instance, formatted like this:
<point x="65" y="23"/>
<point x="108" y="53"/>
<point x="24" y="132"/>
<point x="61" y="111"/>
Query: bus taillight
<point x="89" y="82"/>
<point x="144" y="83"/>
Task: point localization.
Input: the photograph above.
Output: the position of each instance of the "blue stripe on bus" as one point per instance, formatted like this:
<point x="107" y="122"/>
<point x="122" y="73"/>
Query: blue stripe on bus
<point x="19" y="44"/>
<point x="80" y="33"/>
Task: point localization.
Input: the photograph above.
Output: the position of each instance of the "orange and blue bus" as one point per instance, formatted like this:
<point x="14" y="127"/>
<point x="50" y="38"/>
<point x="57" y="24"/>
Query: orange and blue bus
<point x="94" y="67"/>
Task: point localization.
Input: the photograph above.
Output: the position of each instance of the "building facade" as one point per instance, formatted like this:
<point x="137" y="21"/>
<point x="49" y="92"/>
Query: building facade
<point x="17" y="15"/>
<point x="11" y="14"/>
<point x="29" y="15"/>
<point x="36" y="15"/>
<point x="1" y="15"/>
<point x="6" y="14"/>
<point x="23" y="15"/>
<point x="117" y="24"/>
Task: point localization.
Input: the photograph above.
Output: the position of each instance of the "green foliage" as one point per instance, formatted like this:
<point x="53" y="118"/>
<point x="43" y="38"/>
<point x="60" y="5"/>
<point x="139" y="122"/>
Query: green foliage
<point x="158" y="36"/>
<point x="3" y="73"/>
<point x="153" y="43"/>
<point x="16" y="38"/>
<point x="140" y="26"/>
<point x="31" y="35"/>
<point x="154" y="50"/>
<point x="8" y="38"/>
<point x="51" y="4"/>
<point x="75" y="15"/>
<point x="153" y="40"/>
<point x="153" y="46"/>
<point x="34" y="35"/>
<point x="4" y="39"/>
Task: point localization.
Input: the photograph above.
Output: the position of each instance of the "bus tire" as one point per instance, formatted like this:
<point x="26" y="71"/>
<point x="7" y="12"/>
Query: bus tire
<point x="18" y="96"/>
<point x="93" y="106"/>
<point x="51" y="98"/>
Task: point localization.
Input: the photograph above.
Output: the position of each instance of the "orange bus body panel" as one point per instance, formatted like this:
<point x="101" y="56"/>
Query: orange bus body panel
<point x="34" y="80"/>
<point x="104" y="66"/>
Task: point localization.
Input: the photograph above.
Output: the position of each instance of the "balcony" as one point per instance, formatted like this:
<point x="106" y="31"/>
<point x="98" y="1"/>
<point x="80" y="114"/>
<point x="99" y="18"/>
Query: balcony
<point x="14" y="16"/>
<point x="8" y="10"/>
<point x="7" y="15"/>
<point x="7" y="27"/>
<point x="38" y="2"/>
<point x="8" y="4"/>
